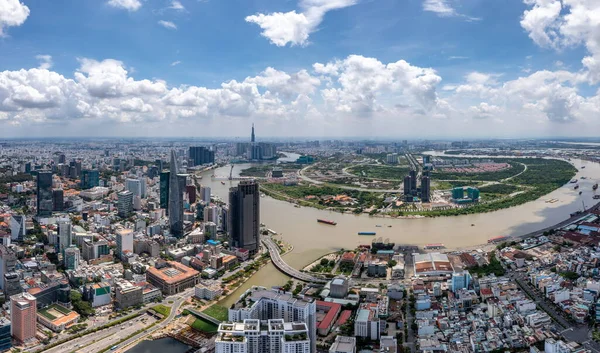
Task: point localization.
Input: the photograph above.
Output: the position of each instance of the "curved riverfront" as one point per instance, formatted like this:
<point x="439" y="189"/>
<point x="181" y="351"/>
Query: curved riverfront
<point x="311" y="240"/>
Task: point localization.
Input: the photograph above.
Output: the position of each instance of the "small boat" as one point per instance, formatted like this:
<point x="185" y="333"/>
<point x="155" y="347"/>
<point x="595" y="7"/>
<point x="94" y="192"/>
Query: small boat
<point x="596" y="197"/>
<point x="390" y="226"/>
<point x="297" y="206"/>
<point x="580" y="192"/>
<point x="222" y="183"/>
<point x="595" y="186"/>
<point x="378" y="226"/>
<point x="576" y="187"/>
<point x="573" y="181"/>
<point x="582" y="167"/>
<point x="583" y="178"/>
<point x="497" y="239"/>
<point x="576" y="213"/>
<point x="367" y="233"/>
<point x="472" y="225"/>
<point x="434" y="246"/>
<point x="331" y="223"/>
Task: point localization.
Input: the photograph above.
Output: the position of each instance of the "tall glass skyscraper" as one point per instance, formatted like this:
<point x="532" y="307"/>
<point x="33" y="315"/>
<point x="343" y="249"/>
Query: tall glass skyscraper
<point x="164" y="190"/>
<point x="244" y="216"/>
<point x="175" y="199"/>
<point x="44" y="194"/>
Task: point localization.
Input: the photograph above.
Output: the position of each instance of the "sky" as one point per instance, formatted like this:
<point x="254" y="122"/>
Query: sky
<point x="313" y="68"/>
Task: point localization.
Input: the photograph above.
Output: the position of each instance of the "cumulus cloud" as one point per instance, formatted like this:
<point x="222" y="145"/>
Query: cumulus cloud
<point x="175" y="63"/>
<point x="177" y="5"/>
<point x="12" y="13"/>
<point x="45" y="61"/>
<point x="559" y="24"/>
<point x="167" y="24"/>
<point x="129" y="5"/>
<point x="295" y="27"/>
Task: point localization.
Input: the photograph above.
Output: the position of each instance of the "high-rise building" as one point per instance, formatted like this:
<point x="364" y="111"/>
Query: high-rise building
<point x="244" y="216"/>
<point x="473" y="194"/>
<point x="252" y="137"/>
<point x="5" y="338"/>
<point x="413" y="181"/>
<point x="164" y="190"/>
<point x="135" y="186"/>
<point x="8" y="262"/>
<point x="72" y="258"/>
<point x="407" y="191"/>
<point x="425" y="188"/>
<point x="65" y="236"/>
<point x="58" y="200"/>
<point x="205" y="194"/>
<point x="201" y="155"/>
<point x="263" y="304"/>
<point x="211" y="214"/>
<point x="23" y="317"/>
<point x="124" y="241"/>
<point x="458" y="193"/>
<point x="125" y="203"/>
<point x="461" y="280"/>
<point x="44" y="194"/>
<point x="17" y="227"/>
<point x="92" y="250"/>
<point x="190" y="190"/>
<point x="90" y="179"/>
<point x="274" y="336"/>
<point x="175" y="199"/>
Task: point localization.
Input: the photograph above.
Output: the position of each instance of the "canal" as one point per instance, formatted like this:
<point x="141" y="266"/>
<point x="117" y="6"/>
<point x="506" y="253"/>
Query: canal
<point x="162" y="345"/>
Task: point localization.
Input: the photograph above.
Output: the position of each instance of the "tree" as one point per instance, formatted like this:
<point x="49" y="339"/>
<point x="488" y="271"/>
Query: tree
<point x="392" y="263"/>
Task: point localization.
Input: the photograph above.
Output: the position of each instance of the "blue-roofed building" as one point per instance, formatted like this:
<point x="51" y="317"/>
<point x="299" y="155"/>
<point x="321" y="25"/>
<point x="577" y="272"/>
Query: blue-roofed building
<point x="213" y="242"/>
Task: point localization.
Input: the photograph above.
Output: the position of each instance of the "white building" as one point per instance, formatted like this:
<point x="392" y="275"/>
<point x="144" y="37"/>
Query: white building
<point x="124" y="241"/>
<point x="17" y="227"/>
<point x="262" y="304"/>
<point x="367" y="322"/>
<point x="250" y="336"/>
<point x="205" y="194"/>
<point x="211" y="214"/>
<point x="135" y="186"/>
<point x="65" y="235"/>
<point x="207" y="291"/>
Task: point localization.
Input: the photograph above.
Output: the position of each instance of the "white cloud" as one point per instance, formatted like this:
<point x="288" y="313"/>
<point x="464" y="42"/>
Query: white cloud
<point x="443" y="9"/>
<point x="177" y="5"/>
<point x="484" y="110"/>
<point x="295" y="27"/>
<point x="45" y="61"/>
<point x="167" y="24"/>
<point x="12" y="13"/>
<point x="129" y="5"/>
<point x="458" y="57"/>
<point x="175" y="63"/>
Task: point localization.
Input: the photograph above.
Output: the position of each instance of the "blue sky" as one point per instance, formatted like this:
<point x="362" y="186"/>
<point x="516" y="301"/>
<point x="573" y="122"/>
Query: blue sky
<point x="202" y="44"/>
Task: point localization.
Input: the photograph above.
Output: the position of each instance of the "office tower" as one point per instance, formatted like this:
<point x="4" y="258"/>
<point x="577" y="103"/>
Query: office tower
<point x="27" y="170"/>
<point x="65" y="236"/>
<point x="72" y="258"/>
<point x="89" y="179"/>
<point x="210" y="230"/>
<point x="407" y="191"/>
<point x="44" y="194"/>
<point x="205" y="194"/>
<point x="124" y="241"/>
<point x="62" y="158"/>
<point x="224" y="221"/>
<point x="125" y="203"/>
<point x="473" y="194"/>
<point x="273" y="336"/>
<point x="164" y="190"/>
<point x="211" y="213"/>
<point x="5" y="338"/>
<point x="17" y="227"/>
<point x="23" y="317"/>
<point x="135" y="186"/>
<point x="425" y="188"/>
<point x="458" y="193"/>
<point x="75" y="169"/>
<point x="92" y="250"/>
<point x="252" y="136"/>
<point x="175" y="199"/>
<point x="426" y="159"/>
<point x="201" y="155"/>
<point x="190" y="190"/>
<point x="413" y="181"/>
<point x="58" y="200"/>
<point x="461" y="280"/>
<point x="143" y="187"/>
<point x="263" y="304"/>
<point x="244" y="216"/>
<point x="8" y="262"/>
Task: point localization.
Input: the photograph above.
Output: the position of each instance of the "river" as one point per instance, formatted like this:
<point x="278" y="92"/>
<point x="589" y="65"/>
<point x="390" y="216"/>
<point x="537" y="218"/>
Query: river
<point x="299" y="227"/>
<point x="162" y="345"/>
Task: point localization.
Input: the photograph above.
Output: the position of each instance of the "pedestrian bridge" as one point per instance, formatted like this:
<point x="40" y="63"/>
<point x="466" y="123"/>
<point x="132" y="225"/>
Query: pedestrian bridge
<point x="287" y="269"/>
<point x="203" y="316"/>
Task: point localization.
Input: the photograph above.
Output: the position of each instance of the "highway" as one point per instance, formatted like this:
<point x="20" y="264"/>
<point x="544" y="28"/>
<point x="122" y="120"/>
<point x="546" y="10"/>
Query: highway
<point x="284" y="267"/>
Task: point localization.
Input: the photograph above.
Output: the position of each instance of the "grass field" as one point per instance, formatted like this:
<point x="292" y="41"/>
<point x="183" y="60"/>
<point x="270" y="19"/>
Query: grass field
<point x="204" y="326"/>
<point x="161" y="309"/>
<point x="218" y="312"/>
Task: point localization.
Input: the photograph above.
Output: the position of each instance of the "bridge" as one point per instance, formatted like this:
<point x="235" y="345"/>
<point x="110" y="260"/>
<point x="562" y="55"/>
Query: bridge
<point x="217" y="178"/>
<point x="203" y="316"/>
<point x="285" y="268"/>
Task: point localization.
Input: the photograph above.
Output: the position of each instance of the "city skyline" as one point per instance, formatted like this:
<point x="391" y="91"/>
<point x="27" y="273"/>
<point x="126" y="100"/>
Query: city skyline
<point x="306" y="67"/>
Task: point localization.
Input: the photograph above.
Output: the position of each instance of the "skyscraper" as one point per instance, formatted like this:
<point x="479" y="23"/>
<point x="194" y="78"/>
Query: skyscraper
<point x="23" y="317"/>
<point x="164" y="190"/>
<point x="124" y="241"/>
<point x="244" y="216"/>
<point x="125" y="203"/>
<point x="17" y="227"/>
<point x="407" y="186"/>
<point x="44" y="194"/>
<point x="58" y="200"/>
<point x="175" y="199"/>
<point x="201" y="155"/>
<point x="135" y="186"/>
<point x="72" y="258"/>
<point x="413" y="181"/>
<point x="252" y="136"/>
<point x="65" y="236"/>
<point x="90" y="179"/>
<point x="425" y="188"/>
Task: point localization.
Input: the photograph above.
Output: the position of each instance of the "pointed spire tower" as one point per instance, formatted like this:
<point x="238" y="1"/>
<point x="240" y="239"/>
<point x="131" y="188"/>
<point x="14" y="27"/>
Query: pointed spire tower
<point x="175" y="199"/>
<point x="252" y="136"/>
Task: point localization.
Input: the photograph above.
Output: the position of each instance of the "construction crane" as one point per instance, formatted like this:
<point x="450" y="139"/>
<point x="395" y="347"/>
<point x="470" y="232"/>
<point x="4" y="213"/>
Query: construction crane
<point x="231" y="172"/>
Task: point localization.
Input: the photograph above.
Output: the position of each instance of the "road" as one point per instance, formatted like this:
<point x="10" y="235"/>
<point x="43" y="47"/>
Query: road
<point x="284" y="267"/>
<point x="177" y="301"/>
<point x="341" y="186"/>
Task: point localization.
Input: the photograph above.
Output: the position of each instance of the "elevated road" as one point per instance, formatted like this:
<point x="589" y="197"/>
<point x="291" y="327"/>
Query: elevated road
<point x="284" y="267"/>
